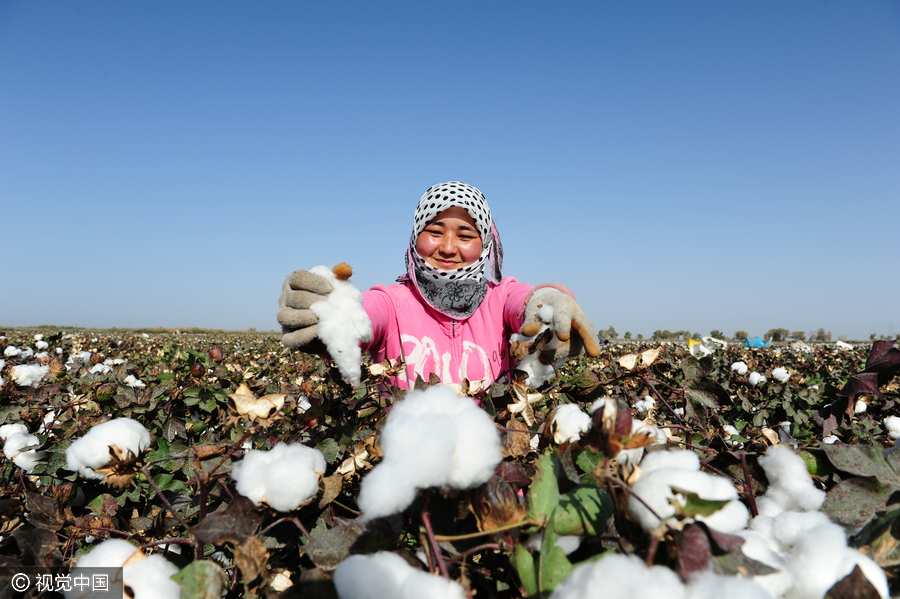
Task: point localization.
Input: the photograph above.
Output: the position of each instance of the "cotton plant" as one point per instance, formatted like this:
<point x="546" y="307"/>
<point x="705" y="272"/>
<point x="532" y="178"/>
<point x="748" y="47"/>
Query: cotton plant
<point x="740" y="367"/>
<point x="384" y="574"/>
<point x="148" y="576"/>
<point x="284" y="478"/>
<point x="110" y="452"/>
<point x="432" y="438"/>
<point x="666" y="480"/>
<point x="808" y="551"/>
<point x="343" y="322"/>
<point x="20" y="446"/>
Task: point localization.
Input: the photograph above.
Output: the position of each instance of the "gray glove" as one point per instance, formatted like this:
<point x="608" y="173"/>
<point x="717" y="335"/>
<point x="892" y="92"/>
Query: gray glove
<point x="562" y="314"/>
<point x="299" y="324"/>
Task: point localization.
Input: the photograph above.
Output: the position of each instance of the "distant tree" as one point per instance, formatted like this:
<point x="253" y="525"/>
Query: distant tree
<point x="821" y="335"/>
<point x="873" y="336"/>
<point x="610" y="333"/>
<point x="627" y="335"/>
<point x="640" y="336"/>
<point x="696" y="336"/>
<point x="664" y="334"/>
<point x="776" y="334"/>
<point x="798" y="335"/>
<point x="717" y="334"/>
<point x="741" y="335"/>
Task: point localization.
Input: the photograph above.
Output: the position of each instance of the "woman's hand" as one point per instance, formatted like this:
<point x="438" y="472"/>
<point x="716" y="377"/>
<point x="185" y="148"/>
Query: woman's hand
<point x="299" y="325"/>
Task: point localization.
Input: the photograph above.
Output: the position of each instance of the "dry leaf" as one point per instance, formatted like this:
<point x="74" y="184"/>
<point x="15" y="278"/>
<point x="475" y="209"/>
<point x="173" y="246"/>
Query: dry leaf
<point x="523" y="401"/>
<point x="628" y="361"/>
<point x="515" y="444"/>
<point x="121" y="469"/>
<point x="251" y="558"/>
<point x="331" y="488"/>
<point x="264" y="410"/>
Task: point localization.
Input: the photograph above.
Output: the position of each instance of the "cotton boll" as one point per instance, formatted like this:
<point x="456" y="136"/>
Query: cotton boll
<point x="645" y="405"/>
<point x="679" y="458"/>
<point x="101" y="369"/>
<point x="759" y="548"/>
<point x="781" y="375"/>
<point x="92" y="451"/>
<point x="537" y="372"/>
<point x="790" y="486"/>
<point x="655" y="488"/>
<point x="432" y="438"/>
<point x="26" y="459"/>
<point x="39" y="337"/>
<point x="740" y="368"/>
<point x="343" y="323"/>
<point x="633" y="456"/>
<point x="891" y="423"/>
<point x="285" y="477"/>
<point x="790" y="527"/>
<point x="756" y="378"/>
<point x="384" y="574"/>
<point x="11" y="351"/>
<point x="303" y="404"/>
<point x="708" y="585"/>
<point x="8" y="430"/>
<point x="620" y="577"/>
<point x="29" y="375"/>
<point x="830" y="440"/>
<point x="569" y="423"/>
<point x="42" y="345"/>
<point x="132" y="381"/>
<point x="149" y="577"/>
<point x="821" y="558"/>
<point x="568" y="543"/>
<point x="860" y="407"/>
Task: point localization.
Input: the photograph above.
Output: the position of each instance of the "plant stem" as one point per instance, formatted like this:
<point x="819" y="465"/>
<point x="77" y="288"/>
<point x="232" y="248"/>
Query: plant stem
<point x="663" y="400"/>
<point x="435" y="548"/>
<point x="162" y="497"/>
<point x="748" y="490"/>
<point x="484" y="533"/>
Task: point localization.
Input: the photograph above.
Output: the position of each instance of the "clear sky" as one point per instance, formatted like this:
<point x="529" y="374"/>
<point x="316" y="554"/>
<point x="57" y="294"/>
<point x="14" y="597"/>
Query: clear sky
<point x="678" y="165"/>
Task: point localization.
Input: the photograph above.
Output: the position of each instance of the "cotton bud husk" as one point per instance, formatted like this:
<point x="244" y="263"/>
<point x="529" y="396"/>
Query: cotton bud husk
<point x="96" y="358"/>
<point x="264" y="410"/>
<point x="216" y="353"/>
<point x="496" y="504"/>
<point x="198" y="370"/>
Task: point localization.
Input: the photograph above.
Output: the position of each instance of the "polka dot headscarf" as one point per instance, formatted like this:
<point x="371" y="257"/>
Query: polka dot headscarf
<point x="457" y="293"/>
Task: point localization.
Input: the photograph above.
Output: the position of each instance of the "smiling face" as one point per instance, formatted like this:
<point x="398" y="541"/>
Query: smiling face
<point x="450" y="241"/>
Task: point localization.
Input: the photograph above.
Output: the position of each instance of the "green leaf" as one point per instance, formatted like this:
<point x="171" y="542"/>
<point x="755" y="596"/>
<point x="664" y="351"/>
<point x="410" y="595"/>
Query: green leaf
<point x="554" y="566"/>
<point x="584" y="510"/>
<point x="201" y="580"/>
<point x="855" y="501"/>
<point x="524" y="564"/>
<point x="330" y="449"/>
<point x="861" y="460"/>
<point x="543" y="495"/>
<point x="695" y="505"/>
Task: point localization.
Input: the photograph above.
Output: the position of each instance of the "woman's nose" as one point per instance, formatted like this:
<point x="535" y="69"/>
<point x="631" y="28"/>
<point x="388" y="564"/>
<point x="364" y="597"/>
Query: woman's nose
<point x="447" y="246"/>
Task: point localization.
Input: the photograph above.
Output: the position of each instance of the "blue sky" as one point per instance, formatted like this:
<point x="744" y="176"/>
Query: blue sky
<point x="678" y="165"/>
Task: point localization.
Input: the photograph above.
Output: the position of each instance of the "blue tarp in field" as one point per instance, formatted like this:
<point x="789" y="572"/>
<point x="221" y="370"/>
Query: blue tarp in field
<point x="756" y="342"/>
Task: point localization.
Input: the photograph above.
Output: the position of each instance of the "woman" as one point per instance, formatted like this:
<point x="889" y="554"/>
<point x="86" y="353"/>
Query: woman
<point x="444" y="316"/>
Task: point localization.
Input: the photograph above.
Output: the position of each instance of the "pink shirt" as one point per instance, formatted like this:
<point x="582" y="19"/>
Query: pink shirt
<point x="475" y="348"/>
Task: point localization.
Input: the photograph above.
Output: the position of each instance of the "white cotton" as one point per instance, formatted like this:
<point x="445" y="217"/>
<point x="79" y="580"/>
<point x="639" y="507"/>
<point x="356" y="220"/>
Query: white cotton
<point x="91" y="452"/>
<point x="145" y="335"/>
<point x="821" y="558"/>
<point x="133" y="381"/>
<point x="2" y="364"/>
<point x="303" y="404"/>
<point x="569" y="423"/>
<point x="8" y="430"/>
<point x="59" y="350"/>
<point x="149" y="577"/>
<point x="29" y="375"/>
<point x="781" y="375"/>
<point x="100" y="368"/>
<point x="790" y="486"/>
<point x="645" y="405"/>
<point x="39" y="337"/>
<point x="708" y="585"/>
<point x="739" y="367"/>
<point x="731" y="431"/>
<point x="343" y="323"/>
<point x="26" y="459"/>
<point x="832" y="439"/>
<point x="891" y="423"/>
<point x="537" y="372"/>
<point x="860" y="407"/>
<point x="842" y="345"/>
<point x="42" y="345"/>
<point x="679" y="458"/>
<point x="285" y="477"/>
<point x="568" y="543"/>
<point x="758" y="547"/>
<point x="620" y="576"/>
<point x="789" y="527"/>
<point x="432" y="438"/>
<point x="633" y="456"/>
<point x="756" y="378"/>
<point x="385" y="575"/>
<point x="656" y="490"/>
<point x="11" y="351"/>
<point x="26" y="353"/>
